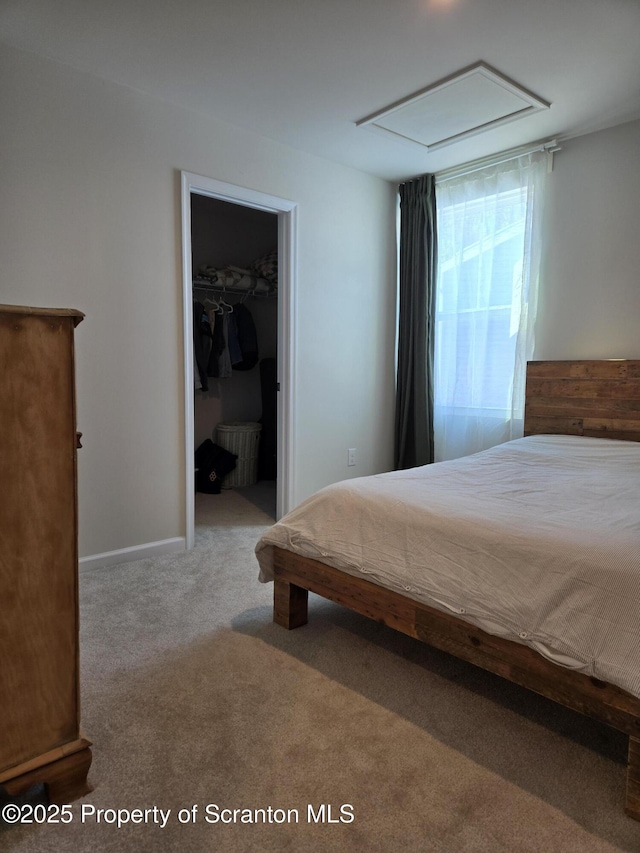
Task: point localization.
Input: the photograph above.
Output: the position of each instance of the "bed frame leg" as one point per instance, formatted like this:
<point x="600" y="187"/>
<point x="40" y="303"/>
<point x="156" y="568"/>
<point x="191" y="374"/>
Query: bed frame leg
<point x="289" y="604"/>
<point x="632" y="803"/>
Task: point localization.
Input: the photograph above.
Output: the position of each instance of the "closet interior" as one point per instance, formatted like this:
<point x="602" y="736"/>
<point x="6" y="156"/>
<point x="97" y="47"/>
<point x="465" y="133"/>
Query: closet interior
<point x="235" y="310"/>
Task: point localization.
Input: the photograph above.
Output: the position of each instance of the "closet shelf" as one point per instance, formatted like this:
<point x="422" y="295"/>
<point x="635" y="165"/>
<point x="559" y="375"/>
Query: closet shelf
<point x="244" y="285"/>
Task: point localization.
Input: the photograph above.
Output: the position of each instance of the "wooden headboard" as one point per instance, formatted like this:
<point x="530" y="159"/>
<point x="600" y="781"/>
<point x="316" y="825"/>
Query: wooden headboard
<point x="593" y="398"/>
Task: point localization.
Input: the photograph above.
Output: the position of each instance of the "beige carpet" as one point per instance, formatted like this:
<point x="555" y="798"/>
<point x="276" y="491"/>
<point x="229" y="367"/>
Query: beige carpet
<point x="194" y="698"/>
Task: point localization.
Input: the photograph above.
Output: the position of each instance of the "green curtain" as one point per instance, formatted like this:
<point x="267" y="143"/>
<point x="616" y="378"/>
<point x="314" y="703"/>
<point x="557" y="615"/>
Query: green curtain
<point x="418" y="259"/>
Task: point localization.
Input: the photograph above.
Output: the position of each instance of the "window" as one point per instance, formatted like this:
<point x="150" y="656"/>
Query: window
<point x="486" y="287"/>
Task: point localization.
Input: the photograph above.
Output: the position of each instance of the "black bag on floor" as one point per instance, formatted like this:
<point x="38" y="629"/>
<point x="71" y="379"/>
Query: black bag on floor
<point x="212" y="464"/>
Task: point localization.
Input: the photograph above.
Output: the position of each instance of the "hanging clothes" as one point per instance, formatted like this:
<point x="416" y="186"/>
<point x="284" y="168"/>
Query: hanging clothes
<point x="247" y="338"/>
<point x="216" y="348"/>
<point x="202" y="341"/>
<point x="235" y="351"/>
<point x="219" y="365"/>
<point x="229" y="343"/>
<point x="224" y="361"/>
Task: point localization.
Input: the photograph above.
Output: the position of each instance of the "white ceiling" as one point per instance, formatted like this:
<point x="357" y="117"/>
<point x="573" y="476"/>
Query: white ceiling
<point x="304" y="73"/>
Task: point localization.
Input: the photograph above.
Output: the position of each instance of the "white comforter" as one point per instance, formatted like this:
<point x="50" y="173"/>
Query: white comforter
<point x="536" y="540"/>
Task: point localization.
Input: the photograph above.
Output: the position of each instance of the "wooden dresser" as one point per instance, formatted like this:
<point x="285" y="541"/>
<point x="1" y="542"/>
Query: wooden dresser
<point x="40" y="738"/>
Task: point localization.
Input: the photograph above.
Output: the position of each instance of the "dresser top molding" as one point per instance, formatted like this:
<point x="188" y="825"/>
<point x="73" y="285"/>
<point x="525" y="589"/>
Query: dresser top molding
<point x="78" y="316"/>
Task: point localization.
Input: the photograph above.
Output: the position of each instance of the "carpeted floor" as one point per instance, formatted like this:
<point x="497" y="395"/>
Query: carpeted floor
<point x="196" y="702"/>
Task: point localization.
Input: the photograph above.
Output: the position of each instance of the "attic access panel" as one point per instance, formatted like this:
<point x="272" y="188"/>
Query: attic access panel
<point x="469" y="102"/>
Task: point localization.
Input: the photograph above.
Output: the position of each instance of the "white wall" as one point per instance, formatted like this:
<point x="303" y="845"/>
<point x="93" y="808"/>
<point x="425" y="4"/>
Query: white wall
<point x="90" y="219"/>
<point x="590" y="275"/>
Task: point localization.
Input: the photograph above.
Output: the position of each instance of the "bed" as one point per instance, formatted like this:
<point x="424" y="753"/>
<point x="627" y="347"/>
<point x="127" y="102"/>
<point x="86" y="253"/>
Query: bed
<point x="449" y="554"/>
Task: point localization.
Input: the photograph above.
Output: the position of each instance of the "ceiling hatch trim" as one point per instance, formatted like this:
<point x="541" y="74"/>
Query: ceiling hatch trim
<point x="471" y="101"/>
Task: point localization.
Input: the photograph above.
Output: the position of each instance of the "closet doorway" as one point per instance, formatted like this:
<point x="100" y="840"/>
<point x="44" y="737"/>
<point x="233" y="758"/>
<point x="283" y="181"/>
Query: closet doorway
<point x="241" y="223"/>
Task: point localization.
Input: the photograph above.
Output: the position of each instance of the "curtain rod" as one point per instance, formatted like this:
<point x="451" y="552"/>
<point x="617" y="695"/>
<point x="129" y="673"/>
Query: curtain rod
<point x="549" y="147"/>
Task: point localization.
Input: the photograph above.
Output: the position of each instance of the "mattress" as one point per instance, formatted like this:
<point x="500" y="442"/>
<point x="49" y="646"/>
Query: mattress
<point x="536" y="540"/>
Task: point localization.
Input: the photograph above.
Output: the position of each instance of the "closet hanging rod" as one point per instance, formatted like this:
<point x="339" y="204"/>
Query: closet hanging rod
<point x="210" y="287"/>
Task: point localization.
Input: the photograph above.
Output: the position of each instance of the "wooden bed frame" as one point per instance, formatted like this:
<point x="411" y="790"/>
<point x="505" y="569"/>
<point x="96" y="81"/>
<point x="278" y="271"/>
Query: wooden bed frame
<point x="592" y="398"/>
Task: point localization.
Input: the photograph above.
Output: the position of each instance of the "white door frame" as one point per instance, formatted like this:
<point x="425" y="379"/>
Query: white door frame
<point x="287" y="269"/>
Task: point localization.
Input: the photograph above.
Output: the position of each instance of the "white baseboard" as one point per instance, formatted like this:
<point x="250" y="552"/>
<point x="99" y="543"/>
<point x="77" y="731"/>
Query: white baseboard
<point x="136" y="552"/>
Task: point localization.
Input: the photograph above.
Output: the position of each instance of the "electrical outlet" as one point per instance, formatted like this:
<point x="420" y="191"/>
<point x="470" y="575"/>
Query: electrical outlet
<point x="351" y="456"/>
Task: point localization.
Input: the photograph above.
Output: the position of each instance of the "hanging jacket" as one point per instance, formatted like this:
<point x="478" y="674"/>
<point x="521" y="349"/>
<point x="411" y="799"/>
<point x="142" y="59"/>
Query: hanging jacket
<point x="247" y="338"/>
<point x="201" y="341"/>
<point x="217" y="346"/>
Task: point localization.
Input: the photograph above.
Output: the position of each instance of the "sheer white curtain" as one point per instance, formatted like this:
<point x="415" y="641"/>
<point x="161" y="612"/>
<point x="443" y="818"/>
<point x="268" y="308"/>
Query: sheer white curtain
<point x="486" y="293"/>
